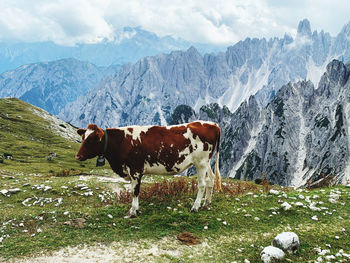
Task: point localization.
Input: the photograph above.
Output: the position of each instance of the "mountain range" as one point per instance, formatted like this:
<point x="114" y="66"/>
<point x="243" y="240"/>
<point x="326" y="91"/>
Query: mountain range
<point x="301" y="138"/>
<point x="149" y="90"/>
<point x="128" y="46"/>
<point x="52" y="85"/>
<point x="282" y="103"/>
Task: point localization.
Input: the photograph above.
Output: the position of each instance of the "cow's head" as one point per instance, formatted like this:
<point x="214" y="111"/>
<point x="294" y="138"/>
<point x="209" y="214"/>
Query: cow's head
<point x="92" y="144"/>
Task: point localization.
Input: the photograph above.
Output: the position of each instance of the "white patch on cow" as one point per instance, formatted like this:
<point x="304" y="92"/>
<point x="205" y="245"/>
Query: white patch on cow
<point x="88" y="133"/>
<point x="154" y="168"/>
<point x="126" y="169"/>
<point x="136" y="131"/>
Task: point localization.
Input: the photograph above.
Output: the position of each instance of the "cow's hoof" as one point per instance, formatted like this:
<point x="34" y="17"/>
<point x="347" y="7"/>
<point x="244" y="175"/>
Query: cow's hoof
<point x="194" y="209"/>
<point x="133" y="213"/>
<point x="206" y="207"/>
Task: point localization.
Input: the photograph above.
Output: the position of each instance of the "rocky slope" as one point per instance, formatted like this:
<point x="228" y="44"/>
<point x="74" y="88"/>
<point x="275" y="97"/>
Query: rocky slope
<point x="301" y="137"/>
<point x="52" y="85"/>
<point x="148" y="91"/>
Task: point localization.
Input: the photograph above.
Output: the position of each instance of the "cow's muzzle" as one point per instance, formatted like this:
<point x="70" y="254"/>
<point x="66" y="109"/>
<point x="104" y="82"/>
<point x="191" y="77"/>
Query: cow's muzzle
<point x="80" y="157"/>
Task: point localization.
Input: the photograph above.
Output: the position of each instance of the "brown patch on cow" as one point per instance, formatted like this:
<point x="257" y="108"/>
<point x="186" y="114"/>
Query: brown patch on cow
<point x="81" y="131"/>
<point x="207" y="133"/>
<point x="162" y="145"/>
<point x="205" y="147"/>
<point x="130" y="130"/>
<point x="188" y="238"/>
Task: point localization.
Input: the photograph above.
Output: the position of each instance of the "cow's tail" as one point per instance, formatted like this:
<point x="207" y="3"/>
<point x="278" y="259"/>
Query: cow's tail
<point x="217" y="171"/>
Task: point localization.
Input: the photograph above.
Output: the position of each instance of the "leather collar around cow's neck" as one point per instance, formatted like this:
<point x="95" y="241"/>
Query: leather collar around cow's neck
<point x="106" y="142"/>
<point x="101" y="158"/>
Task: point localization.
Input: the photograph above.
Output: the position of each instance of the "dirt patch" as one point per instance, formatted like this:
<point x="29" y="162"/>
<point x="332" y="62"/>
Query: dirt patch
<point x="188" y="238"/>
<point x="132" y="251"/>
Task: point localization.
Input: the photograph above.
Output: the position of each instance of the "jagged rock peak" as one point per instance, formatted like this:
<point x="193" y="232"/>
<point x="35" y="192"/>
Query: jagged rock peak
<point x="337" y="72"/>
<point x="346" y="29"/>
<point x="304" y="28"/>
<point x="192" y="51"/>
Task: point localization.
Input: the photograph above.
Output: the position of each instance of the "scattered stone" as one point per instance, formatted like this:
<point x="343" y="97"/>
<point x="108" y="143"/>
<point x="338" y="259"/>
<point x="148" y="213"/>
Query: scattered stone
<point x="80" y="186"/>
<point x="14" y="190"/>
<point x="110" y="216"/>
<point x="286" y="206"/>
<point x="271" y="254"/>
<point x="188" y="238"/>
<point x="275" y="192"/>
<point x="287" y="241"/>
<point x="314" y="218"/>
<point x="4" y="192"/>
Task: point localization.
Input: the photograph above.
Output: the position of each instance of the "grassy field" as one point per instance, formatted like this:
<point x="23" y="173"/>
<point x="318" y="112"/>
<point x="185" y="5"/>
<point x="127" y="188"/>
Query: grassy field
<point x="60" y="203"/>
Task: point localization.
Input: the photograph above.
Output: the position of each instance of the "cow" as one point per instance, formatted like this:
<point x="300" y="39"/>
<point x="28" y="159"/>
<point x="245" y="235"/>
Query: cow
<point x="135" y="151"/>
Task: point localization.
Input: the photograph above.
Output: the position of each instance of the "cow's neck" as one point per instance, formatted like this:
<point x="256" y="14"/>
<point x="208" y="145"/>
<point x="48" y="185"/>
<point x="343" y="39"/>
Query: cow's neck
<point x="113" y="150"/>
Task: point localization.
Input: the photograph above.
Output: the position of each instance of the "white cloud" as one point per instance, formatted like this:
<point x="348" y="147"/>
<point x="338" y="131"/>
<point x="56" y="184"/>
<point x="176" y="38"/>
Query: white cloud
<point x="209" y="21"/>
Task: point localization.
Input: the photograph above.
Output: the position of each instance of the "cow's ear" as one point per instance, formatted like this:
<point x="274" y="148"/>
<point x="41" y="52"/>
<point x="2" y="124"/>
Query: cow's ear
<point x="100" y="134"/>
<point x="81" y="131"/>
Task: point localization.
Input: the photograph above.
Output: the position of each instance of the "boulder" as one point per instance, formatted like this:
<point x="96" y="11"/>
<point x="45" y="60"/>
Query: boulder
<point x="271" y="254"/>
<point x="287" y="241"/>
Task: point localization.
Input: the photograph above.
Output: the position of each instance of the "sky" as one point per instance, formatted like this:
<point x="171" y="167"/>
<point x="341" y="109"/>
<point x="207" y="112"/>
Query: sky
<point x="219" y="22"/>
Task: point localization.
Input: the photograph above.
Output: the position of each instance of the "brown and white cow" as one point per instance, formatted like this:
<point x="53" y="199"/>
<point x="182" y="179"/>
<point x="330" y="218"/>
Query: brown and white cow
<point x="135" y="151"/>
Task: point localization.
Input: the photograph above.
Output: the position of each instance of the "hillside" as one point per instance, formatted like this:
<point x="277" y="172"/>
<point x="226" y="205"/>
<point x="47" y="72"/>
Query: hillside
<point x="29" y="136"/>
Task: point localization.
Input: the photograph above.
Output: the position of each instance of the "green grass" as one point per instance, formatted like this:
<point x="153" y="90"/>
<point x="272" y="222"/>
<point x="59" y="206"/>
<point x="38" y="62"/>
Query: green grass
<point x="28" y="138"/>
<point x="243" y="219"/>
<point x="240" y="237"/>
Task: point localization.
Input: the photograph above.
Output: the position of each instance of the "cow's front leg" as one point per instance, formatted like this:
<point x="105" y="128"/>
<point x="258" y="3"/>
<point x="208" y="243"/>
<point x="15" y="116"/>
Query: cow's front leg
<point x="135" y="188"/>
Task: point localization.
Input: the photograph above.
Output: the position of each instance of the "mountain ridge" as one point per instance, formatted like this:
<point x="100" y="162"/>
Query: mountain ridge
<point x="149" y="90"/>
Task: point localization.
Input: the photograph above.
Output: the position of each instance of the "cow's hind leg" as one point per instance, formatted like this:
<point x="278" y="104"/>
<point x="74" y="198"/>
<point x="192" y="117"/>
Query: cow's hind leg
<point x="135" y="188"/>
<point x="201" y="173"/>
<point x="209" y="186"/>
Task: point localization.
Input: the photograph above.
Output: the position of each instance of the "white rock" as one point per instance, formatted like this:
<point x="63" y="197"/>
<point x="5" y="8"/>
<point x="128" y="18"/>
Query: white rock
<point x="324" y="252"/>
<point x="275" y="192"/>
<point x="14" y="190"/>
<point x="332" y="200"/>
<point x="330" y="257"/>
<point x="271" y="254"/>
<point x="4" y="191"/>
<point x="287" y="241"/>
<point x="286" y="206"/>
<point x="47" y="188"/>
<point x="110" y="216"/>
<point x="314" y="218"/>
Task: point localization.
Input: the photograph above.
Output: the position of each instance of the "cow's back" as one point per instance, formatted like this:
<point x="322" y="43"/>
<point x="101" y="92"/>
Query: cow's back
<point x="172" y="149"/>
